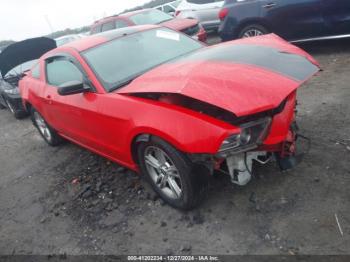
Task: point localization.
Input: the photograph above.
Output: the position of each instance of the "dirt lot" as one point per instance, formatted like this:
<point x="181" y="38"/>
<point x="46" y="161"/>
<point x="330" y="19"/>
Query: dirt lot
<point x="68" y="200"/>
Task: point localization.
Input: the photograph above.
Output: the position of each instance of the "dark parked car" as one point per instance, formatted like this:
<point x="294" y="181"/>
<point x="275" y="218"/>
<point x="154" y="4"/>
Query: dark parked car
<point x="15" y="60"/>
<point x="190" y="27"/>
<point x="294" y="20"/>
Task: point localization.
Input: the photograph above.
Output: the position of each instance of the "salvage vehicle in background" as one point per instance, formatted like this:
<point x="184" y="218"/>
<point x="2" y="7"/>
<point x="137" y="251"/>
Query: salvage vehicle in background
<point x="205" y="11"/>
<point x="169" y="8"/>
<point x="296" y="21"/>
<point x="67" y="39"/>
<point x="170" y="107"/>
<point x="189" y="27"/>
<point x="15" y="61"/>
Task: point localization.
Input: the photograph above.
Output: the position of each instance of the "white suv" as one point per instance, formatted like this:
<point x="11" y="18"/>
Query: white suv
<point x="205" y="11"/>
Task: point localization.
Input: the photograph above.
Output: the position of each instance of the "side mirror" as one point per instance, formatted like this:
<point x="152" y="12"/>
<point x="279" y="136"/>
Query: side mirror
<point x="72" y="88"/>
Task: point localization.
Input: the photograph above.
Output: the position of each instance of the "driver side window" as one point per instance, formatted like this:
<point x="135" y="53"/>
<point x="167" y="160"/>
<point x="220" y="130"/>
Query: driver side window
<point x="60" y="71"/>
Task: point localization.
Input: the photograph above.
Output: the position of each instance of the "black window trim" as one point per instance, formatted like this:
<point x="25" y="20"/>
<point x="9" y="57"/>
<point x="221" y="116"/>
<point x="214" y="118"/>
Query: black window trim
<point x="74" y="61"/>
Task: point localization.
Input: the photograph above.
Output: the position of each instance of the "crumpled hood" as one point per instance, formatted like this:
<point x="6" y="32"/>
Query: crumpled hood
<point x="245" y="77"/>
<point x="24" y="51"/>
<point x="179" y="24"/>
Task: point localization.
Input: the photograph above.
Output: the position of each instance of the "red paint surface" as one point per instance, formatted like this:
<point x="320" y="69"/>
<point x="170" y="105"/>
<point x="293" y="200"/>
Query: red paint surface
<point x="108" y="123"/>
<point x="241" y="89"/>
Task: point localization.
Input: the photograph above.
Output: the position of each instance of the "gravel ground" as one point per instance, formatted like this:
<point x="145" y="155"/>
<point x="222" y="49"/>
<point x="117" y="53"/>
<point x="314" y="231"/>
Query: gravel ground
<point x="67" y="200"/>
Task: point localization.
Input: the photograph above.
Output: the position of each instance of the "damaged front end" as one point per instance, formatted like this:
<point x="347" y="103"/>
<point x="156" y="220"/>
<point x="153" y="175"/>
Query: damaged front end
<point x="260" y="138"/>
<point x="250" y="84"/>
<point x="237" y="152"/>
<point x="272" y="138"/>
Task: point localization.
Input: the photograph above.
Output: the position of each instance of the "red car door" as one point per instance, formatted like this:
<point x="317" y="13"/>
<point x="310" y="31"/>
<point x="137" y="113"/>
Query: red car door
<point x="71" y="115"/>
<point x="81" y="117"/>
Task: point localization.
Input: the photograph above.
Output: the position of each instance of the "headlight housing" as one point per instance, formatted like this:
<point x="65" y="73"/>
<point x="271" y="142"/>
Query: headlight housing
<point x="252" y="134"/>
<point x="12" y="91"/>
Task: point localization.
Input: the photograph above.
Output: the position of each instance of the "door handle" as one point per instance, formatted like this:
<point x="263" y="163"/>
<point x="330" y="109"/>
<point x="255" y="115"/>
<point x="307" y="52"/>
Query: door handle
<point x="48" y="98"/>
<point x="269" y="5"/>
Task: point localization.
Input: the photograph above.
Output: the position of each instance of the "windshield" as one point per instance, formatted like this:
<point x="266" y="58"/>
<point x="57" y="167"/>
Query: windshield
<point x="21" y="68"/>
<point x="125" y="58"/>
<point x="152" y="17"/>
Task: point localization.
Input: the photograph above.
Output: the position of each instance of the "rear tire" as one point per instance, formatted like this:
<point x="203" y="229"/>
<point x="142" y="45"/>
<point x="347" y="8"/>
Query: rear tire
<point x="252" y="30"/>
<point x="171" y="174"/>
<point x="48" y="133"/>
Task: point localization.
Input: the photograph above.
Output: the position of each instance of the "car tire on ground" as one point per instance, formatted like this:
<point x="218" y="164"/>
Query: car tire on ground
<point x="17" y="114"/>
<point x="48" y="133"/>
<point x="252" y="30"/>
<point x="171" y="174"/>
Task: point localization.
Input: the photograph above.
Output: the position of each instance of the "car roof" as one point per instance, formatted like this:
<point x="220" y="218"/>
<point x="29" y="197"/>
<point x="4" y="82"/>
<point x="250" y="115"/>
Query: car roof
<point x="93" y="40"/>
<point x="66" y="36"/>
<point x="128" y="14"/>
<point x="123" y="15"/>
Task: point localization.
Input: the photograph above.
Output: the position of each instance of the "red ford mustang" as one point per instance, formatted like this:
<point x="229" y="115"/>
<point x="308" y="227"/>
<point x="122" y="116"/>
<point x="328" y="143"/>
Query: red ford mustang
<point x="165" y="105"/>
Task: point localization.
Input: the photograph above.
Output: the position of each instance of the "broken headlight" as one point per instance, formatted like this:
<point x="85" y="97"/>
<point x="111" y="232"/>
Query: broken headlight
<point x="252" y="134"/>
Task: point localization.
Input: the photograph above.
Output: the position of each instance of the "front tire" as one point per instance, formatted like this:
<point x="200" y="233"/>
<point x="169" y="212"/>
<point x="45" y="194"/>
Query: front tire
<point x="48" y="133"/>
<point x="171" y="174"/>
<point x="253" y="30"/>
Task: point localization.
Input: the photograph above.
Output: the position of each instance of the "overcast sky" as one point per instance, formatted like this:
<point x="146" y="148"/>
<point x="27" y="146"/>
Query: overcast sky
<point x="21" y="19"/>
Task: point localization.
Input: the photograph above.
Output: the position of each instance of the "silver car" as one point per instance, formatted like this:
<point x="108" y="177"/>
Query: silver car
<point x="205" y="11"/>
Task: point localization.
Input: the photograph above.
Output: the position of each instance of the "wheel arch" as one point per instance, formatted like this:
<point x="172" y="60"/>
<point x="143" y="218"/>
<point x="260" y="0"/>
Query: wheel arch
<point x="252" y="21"/>
<point x="145" y="136"/>
<point x="188" y="133"/>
